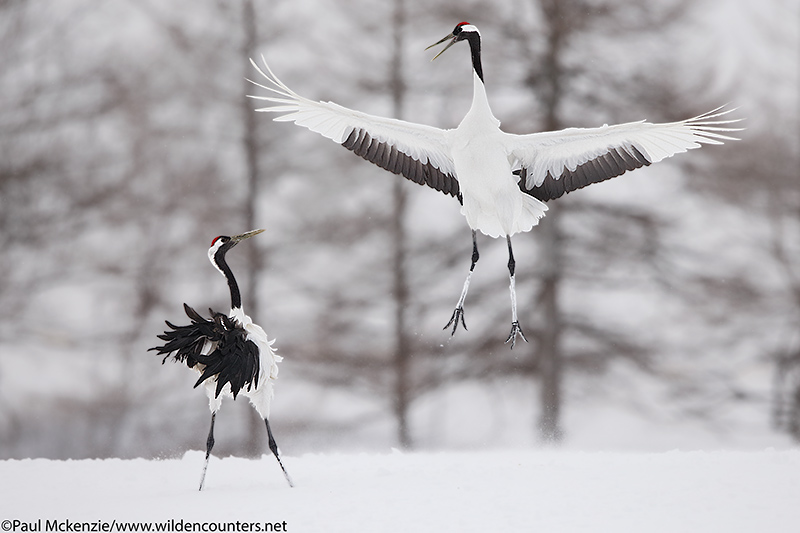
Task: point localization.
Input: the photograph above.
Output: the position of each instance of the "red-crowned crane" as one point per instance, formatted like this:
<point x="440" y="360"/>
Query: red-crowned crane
<point x="232" y="354"/>
<point x="502" y="180"/>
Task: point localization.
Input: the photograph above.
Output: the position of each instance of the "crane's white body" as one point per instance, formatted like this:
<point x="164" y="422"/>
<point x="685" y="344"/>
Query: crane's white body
<point x="492" y="201"/>
<point x="262" y="391"/>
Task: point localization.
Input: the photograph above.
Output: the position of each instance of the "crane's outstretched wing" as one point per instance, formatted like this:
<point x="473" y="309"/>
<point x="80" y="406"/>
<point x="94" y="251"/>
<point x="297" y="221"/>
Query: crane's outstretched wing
<point x="558" y="162"/>
<point x="220" y="346"/>
<point x="416" y="151"/>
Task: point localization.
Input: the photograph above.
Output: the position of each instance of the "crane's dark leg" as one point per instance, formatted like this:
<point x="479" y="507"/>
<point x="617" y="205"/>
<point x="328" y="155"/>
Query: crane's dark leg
<point x="209" y="445"/>
<point x="515" y="327"/>
<point x="274" y="447"/>
<point x="458" y="314"/>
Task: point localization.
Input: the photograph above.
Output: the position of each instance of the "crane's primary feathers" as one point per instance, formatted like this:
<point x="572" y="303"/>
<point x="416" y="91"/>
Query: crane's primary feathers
<point x="218" y="348"/>
<point x="501" y="179"/>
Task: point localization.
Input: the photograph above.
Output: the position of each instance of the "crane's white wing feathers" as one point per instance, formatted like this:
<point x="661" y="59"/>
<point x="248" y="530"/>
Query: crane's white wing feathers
<point x="424" y="144"/>
<point x="561" y="152"/>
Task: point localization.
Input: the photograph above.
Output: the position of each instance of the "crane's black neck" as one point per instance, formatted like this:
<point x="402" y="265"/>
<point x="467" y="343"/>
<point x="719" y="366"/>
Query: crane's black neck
<point x="219" y="259"/>
<point x="474" y="40"/>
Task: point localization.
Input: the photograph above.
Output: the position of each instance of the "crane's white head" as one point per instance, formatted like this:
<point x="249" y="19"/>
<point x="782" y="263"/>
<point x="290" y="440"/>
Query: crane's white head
<point x="220" y="245"/>
<point x="463" y="30"/>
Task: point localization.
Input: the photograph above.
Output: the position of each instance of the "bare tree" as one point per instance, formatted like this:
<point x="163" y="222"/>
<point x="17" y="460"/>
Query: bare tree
<point x="760" y="178"/>
<point x="556" y="69"/>
<point x="400" y="286"/>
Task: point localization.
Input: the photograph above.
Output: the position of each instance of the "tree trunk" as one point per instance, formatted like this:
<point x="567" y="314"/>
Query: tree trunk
<point x="550" y="354"/>
<point x="400" y="292"/>
<point x="255" y="426"/>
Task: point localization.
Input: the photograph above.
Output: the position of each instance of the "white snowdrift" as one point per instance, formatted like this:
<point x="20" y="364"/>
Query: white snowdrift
<point x="538" y="491"/>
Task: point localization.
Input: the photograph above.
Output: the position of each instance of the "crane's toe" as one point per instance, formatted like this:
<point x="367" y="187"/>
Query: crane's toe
<point x="457" y="316"/>
<point x="516" y="329"/>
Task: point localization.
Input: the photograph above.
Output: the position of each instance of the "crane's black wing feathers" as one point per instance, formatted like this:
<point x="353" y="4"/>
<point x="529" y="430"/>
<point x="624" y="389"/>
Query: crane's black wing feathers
<point x="233" y="358"/>
<point x="388" y="157"/>
<point x="609" y="165"/>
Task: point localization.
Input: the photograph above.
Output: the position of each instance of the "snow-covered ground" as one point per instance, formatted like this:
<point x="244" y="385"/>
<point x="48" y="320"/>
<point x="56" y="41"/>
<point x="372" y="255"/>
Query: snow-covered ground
<point x="538" y="491"/>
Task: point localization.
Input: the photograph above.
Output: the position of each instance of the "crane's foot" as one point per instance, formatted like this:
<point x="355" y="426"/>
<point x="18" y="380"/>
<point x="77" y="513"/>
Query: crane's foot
<point x="273" y="446"/>
<point x="458" y="316"/>
<point x="516" y="329"/>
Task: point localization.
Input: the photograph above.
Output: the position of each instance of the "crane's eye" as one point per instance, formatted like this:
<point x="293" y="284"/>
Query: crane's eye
<point x="221" y="237"/>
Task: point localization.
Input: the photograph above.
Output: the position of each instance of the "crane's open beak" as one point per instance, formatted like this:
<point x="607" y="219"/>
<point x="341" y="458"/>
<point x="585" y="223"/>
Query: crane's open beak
<point x="451" y="43"/>
<point x="243" y="236"/>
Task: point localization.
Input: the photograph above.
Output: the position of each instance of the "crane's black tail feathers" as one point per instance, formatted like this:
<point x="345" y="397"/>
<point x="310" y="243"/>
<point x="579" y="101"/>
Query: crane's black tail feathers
<point x="231" y="358"/>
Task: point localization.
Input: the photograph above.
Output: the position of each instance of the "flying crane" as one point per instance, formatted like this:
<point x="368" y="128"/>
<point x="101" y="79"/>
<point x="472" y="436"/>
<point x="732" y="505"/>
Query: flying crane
<point x="232" y="354"/>
<point x="502" y="180"/>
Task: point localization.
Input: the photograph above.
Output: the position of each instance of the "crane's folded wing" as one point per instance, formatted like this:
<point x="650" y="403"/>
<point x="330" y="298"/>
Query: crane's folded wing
<point x="218" y="347"/>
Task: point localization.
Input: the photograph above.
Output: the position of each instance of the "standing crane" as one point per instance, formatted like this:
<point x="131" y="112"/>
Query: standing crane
<point x="232" y="354"/>
<point x="502" y="180"/>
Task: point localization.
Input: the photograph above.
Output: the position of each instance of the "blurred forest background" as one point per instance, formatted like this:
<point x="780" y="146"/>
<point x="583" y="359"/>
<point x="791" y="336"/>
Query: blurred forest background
<point x="662" y="308"/>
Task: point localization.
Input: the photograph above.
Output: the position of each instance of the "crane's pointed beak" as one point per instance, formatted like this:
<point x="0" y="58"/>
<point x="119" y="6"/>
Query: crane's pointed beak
<point x="451" y="43"/>
<point x="247" y="235"/>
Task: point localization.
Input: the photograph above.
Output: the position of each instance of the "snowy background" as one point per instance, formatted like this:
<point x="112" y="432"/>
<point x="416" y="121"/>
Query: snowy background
<point x="127" y="144"/>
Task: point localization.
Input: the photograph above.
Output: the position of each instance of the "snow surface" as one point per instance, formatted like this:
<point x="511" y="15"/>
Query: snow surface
<point x="540" y="491"/>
